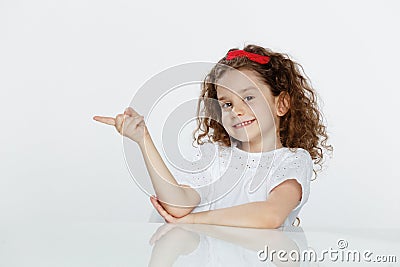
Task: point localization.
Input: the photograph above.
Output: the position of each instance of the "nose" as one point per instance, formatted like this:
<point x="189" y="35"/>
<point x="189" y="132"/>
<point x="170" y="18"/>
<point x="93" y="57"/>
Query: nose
<point x="239" y="109"/>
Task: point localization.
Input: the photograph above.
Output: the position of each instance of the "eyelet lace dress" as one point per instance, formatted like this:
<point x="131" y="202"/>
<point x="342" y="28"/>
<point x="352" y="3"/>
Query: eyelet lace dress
<point x="228" y="176"/>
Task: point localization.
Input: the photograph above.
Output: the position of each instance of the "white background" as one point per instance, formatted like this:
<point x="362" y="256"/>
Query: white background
<point x="62" y="62"/>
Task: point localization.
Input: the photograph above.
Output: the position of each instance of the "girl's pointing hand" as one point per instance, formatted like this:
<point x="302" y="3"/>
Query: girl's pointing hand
<point x="129" y="124"/>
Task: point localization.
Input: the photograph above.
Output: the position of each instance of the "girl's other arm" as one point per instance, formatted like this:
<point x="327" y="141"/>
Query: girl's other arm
<point x="262" y="214"/>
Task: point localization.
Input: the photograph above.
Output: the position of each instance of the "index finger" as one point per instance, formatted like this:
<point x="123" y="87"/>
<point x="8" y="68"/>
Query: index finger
<point x="106" y="120"/>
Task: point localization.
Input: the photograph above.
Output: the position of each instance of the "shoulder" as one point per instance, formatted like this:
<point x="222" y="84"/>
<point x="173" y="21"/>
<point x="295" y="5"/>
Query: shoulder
<point x="205" y="150"/>
<point x="297" y="156"/>
<point x="208" y="156"/>
<point x="211" y="148"/>
<point x="296" y="163"/>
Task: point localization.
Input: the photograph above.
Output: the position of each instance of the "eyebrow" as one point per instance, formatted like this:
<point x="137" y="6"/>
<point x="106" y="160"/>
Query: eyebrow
<point x="240" y="91"/>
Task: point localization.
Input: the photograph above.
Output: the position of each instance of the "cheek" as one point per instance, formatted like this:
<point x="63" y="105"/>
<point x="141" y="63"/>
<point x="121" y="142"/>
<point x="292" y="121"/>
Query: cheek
<point x="259" y="108"/>
<point x="225" y="118"/>
<point x="263" y="113"/>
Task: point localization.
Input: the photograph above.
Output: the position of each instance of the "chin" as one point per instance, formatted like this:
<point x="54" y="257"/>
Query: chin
<point x="243" y="138"/>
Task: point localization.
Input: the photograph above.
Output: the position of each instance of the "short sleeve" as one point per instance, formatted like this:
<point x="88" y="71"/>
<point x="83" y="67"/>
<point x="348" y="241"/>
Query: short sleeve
<point x="297" y="165"/>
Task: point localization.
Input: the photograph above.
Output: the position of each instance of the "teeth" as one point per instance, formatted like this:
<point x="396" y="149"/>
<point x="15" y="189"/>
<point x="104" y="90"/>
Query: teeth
<point x="243" y="123"/>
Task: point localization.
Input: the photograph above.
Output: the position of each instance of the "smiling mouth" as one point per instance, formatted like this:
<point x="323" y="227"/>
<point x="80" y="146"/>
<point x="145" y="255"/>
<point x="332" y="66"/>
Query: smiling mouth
<point x="243" y="124"/>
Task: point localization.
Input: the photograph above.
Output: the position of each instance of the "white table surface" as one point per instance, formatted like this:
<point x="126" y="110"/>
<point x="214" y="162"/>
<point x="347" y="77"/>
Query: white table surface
<point x="127" y="244"/>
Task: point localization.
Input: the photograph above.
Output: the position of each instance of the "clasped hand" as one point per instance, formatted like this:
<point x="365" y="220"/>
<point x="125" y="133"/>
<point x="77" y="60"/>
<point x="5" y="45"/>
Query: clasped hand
<point x="189" y="218"/>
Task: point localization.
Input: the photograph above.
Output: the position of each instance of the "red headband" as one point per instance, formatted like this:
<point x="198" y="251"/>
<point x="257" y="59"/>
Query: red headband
<point x="252" y="56"/>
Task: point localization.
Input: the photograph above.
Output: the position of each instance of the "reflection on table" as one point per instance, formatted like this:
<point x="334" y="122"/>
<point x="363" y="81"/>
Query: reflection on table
<point x="209" y="245"/>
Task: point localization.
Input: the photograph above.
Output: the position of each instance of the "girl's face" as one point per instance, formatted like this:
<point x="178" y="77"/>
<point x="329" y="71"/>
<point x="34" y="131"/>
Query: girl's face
<point x="247" y="108"/>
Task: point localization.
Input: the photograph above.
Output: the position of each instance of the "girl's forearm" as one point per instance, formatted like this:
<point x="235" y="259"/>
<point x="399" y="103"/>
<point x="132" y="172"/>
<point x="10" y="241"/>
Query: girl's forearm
<point x="164" y="184"/>
<point x="253" y="215"/>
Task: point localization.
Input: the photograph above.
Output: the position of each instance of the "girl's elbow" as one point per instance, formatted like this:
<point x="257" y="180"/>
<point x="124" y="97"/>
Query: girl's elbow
<point x="193" y="197"/>
<point x="277" y="223"/>
<point x="197" y="200"/>
<point x="178" y="212"/>
<point x="272" y="222"/>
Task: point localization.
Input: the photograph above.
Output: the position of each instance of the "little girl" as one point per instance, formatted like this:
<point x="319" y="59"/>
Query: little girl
<point x="259" y="114"/>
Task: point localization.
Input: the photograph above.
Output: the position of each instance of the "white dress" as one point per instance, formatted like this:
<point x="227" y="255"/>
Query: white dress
<point x="228" y="176"/>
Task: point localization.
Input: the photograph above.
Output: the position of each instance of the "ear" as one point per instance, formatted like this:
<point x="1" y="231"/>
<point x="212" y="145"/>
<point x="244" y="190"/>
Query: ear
<point x="282" y="103"/>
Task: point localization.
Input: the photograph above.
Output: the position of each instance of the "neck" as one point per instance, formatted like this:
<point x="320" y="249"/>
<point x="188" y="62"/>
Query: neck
<point x="262" y="145"/>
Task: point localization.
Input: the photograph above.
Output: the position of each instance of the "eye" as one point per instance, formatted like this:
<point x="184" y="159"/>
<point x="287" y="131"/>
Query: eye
<point x="226" y="105"/>
<point x="248" y="98"/>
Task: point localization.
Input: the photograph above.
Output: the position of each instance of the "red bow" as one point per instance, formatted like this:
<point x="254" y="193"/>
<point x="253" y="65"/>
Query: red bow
<point x="252" y="56"/>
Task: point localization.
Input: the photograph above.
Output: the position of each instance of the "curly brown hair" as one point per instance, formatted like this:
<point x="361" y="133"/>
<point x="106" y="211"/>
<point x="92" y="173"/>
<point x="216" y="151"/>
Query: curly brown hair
<point x="301" y="127"/>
